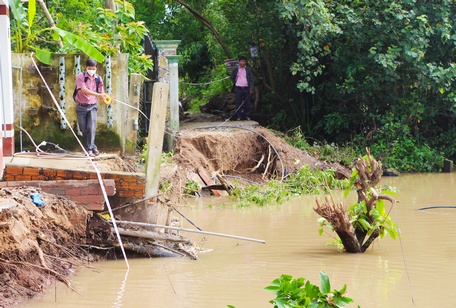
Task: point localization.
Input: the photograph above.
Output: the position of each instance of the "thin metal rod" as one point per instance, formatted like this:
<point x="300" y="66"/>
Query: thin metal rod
<point x="190" y="230"/>
<point x="187" y="218"/>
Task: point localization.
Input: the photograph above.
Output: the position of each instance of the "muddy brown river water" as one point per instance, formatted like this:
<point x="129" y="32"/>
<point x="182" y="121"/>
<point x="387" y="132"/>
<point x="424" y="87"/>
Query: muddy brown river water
<point x="418" y="271"/>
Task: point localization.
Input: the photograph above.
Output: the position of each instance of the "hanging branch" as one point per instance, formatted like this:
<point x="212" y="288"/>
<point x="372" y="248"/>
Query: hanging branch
<point x="49" y="18"/>
<point x="208" y="25"/>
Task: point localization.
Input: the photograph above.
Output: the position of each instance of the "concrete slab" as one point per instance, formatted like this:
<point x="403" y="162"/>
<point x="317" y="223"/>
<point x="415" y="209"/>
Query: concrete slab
<point x="220" y="124"/>
<point x="56" y="161"/>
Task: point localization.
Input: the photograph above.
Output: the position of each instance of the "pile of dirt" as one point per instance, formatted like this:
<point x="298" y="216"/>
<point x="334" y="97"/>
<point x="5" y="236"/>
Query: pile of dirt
<point x="254" y="153"/>
<point x="38" y="244"/>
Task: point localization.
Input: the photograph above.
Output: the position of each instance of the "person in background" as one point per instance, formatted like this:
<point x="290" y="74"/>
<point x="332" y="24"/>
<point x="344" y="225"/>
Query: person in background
<point x="242" y="78"/>
<point x="89" y="88"/>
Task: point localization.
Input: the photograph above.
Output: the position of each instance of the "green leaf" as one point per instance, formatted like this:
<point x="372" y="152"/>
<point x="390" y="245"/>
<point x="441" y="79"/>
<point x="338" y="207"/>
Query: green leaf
<point x="344" y="288"/>
<point x="17" y="10"/>
<point x="381" y="207"/>
<point x="280" y="303"/>
<point x="324" y="282"/>
<point x="364" y="224"/>
<point x="80" y="44"/>
<point x="343" y="301"/>
<point x="45" y="56"/>
<point x="392" y="233"/>
<point x="272" y="288"/>
<point x="31" y="12"/>
<point x="390" y="193"/>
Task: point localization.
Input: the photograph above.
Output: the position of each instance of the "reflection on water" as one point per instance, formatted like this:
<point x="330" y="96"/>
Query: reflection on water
<point x="235" y="272"/>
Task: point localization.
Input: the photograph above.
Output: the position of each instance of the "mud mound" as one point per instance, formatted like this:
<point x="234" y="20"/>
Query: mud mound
<point x="38" y="244"/>
<point x="255" y="153"/>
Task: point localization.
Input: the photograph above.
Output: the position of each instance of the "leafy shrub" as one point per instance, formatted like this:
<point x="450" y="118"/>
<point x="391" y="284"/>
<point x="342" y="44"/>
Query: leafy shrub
<point x="292" y="292"/>
<point x="398" y="148"/>
<point x="324" y="151"/>
<point x="212" y="84"/>
<point x="305" y="181"/>
<point x="191" y="188"/>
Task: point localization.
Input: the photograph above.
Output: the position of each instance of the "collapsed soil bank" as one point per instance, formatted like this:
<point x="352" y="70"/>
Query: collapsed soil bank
<point x="252" y="152"/>
<point x="37" y="244"/>
<point x="41" y="244"/>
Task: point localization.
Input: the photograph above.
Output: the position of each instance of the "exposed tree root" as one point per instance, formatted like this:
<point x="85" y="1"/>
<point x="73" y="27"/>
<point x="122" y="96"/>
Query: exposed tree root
<point x="338" y="217"/>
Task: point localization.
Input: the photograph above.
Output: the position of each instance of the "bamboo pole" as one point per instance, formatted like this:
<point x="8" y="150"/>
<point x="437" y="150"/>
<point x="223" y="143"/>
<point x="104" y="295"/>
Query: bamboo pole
<point x="152" y="235"/>
<point x="143" y="224"/>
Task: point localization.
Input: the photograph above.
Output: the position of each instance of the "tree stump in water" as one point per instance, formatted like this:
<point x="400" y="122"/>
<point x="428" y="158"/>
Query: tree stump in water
<point x="353" y="227"/>
<point x="336" y="214"/>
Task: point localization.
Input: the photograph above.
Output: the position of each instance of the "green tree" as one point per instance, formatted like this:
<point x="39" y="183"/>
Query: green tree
<point x="370" y="63"/>
<point x="341" y="70"/>
<point x="81" y="25"/>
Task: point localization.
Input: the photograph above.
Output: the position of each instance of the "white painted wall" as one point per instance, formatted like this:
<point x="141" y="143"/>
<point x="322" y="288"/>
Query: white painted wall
<point x="6" y="98"/>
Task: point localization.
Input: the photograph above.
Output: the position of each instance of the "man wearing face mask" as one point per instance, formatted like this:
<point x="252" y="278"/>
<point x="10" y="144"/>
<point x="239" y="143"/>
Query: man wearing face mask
<point x="89" y="88"/>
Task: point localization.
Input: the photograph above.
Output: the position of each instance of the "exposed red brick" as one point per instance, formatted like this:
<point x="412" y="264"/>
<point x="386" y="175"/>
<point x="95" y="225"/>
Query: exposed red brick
<point x="61" y="191"/>
<point x="136" y="186"/>
<point x="79" y="175"/>
<point x="31" y="171"/>
<point x="50" y="173"/>
<point x="129" y="178"/>
<point x="65" y="174"/>
<point x="122" y="185"/>
<point x="13" y="170"/>
<point x="23" y="178"/>
<point x="125" y="193"/>
<point x="91" y="190"/>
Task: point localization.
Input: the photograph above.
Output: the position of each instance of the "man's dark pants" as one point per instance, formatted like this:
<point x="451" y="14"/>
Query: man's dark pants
<point x="243" y="94"/>
<point x="87" y="119"/>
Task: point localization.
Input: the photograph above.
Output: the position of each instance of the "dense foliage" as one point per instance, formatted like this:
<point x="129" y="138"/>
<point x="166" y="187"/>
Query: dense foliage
<point x="365" y="73"/>
<point x="377" y="74"/>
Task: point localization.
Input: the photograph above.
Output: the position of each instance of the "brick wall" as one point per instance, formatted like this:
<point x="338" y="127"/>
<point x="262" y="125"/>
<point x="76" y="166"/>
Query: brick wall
<point x="127" y="185"/>
<point x="86" y="193"/>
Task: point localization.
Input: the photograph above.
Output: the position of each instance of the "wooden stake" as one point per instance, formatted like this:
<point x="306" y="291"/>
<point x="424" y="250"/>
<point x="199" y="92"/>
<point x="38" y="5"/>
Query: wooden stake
<point x="156" y="136"/>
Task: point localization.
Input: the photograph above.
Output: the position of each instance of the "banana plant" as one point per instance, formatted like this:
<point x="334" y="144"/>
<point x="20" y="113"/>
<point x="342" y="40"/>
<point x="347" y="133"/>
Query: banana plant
<point x="25" y="36"/>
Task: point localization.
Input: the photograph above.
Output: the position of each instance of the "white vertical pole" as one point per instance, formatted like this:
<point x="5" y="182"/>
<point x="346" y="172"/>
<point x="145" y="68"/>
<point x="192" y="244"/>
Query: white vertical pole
<point x="173" y="61"/>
